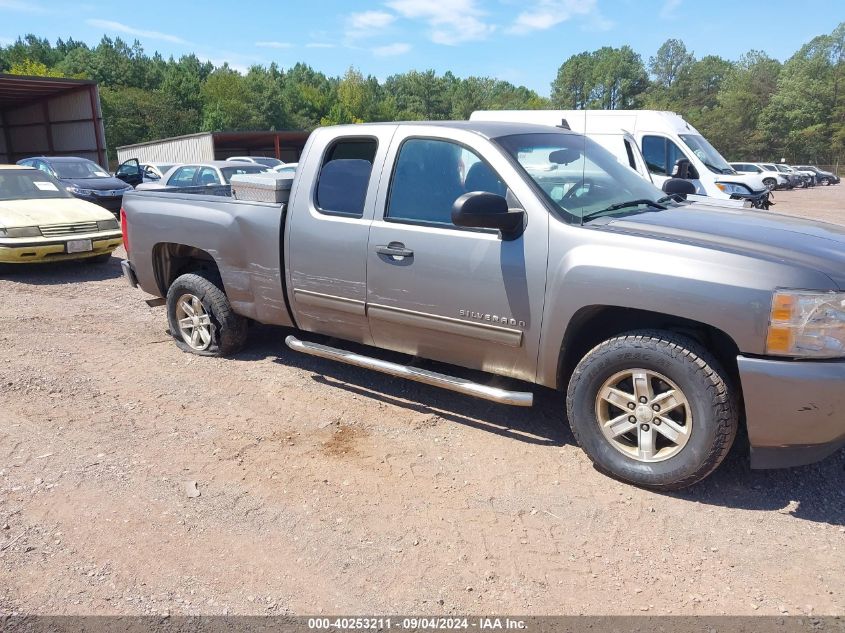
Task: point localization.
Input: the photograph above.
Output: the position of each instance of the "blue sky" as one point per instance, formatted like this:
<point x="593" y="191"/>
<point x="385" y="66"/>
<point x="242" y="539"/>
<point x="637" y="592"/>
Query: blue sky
<point x="522" y="41"/>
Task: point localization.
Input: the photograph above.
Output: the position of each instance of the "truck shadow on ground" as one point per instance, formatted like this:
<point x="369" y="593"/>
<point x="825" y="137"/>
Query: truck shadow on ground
<point x="812" y="493"/>
<point x="543" y="424"/>
<point x="60" y="273"/>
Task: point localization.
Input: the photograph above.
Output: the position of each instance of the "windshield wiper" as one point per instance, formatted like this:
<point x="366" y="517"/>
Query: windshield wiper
<point x="624" y="205"/>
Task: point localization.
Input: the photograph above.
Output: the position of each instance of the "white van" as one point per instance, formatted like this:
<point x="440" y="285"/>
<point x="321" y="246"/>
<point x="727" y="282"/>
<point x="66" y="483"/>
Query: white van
<point x="662" y="139"/>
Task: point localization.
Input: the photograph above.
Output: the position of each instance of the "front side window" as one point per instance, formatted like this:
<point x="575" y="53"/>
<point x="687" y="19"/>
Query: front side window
<point x="578" y="176"/>
<point x="345" y="177"/>
<point x="661" y="154"/>
<point x="430" y="175"/>
<point x="183" y="177"/>
<point x="654" y="152"/>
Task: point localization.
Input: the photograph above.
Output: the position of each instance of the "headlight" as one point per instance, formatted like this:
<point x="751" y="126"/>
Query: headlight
<point x="807" y="324"/>
<point x="22" y="231"/>
<point x="78" y="191"/>
<point x="107" y="225"/>
<point x="732" y="188"/>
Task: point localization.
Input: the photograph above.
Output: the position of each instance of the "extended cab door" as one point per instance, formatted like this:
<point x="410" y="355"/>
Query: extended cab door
<point x="459" y="295"/>
<point x="328" y="223"/>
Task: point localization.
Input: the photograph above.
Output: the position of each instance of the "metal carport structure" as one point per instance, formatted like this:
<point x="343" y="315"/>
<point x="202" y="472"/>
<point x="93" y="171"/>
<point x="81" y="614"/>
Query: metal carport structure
<point x="50" y="116"/>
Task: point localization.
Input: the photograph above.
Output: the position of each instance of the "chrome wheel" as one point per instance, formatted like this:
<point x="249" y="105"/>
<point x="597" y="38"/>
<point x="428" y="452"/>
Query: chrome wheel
<point x="644" y="415"/>
<point x="194" y="322"/>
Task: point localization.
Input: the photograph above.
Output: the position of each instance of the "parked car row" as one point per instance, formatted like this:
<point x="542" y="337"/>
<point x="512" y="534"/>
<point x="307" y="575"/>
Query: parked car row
<point x="782" y="176"/>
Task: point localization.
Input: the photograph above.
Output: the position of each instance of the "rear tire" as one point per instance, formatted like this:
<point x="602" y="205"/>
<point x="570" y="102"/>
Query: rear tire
<point x="673" y="415"/>
<point x="201" y="318"/>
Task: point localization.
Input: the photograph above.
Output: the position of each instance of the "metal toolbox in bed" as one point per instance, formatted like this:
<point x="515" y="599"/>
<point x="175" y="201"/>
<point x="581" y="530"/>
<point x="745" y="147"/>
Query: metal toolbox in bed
<point x="263" y="187"/>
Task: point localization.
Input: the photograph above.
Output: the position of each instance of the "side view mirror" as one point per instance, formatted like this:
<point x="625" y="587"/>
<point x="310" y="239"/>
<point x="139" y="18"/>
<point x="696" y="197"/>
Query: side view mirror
<point x="678" y="187"/>
<point x="483" y="210"/>
<point x="684" y="169"/>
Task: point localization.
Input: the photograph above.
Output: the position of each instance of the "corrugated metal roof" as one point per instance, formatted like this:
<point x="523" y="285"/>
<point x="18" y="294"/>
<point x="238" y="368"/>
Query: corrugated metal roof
<point x="252" y="138"/>
<point x="17" y="90"/>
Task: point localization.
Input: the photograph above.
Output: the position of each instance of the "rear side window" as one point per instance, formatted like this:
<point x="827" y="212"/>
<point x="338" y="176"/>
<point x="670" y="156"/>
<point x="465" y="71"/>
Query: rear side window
<point x="430" y="175"/>
<point x="345" y="177"/>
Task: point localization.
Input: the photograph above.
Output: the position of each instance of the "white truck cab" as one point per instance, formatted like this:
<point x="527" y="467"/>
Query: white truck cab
<point x="662" y="139"/>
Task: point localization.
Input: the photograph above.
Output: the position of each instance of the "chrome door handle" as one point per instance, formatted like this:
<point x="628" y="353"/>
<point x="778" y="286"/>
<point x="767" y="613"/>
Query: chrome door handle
<point x="395" y="249"/>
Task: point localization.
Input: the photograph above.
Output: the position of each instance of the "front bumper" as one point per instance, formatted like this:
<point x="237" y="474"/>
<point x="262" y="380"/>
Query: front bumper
<point x="24" y="250"/>
<point x="795" y="410"/>
<point x="758" y="199"/>
<point x="112" y="203"/>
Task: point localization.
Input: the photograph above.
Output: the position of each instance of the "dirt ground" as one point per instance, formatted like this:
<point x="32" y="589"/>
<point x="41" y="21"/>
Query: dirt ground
<point x="328" y="489"/>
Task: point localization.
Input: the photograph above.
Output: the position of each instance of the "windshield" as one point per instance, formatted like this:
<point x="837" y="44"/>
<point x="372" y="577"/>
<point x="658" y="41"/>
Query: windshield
<point x="78" y="169"/>
<point x="578" y="175"/>
<point x="783" y="168"/>
<point x="707" y="154"/>
<point x="29" y="184"/>
<point x="228" y="172"/>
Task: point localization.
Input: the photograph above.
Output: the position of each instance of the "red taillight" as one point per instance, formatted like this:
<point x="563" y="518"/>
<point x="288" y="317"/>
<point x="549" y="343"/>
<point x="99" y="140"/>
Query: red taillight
<point x="124" y="230"/>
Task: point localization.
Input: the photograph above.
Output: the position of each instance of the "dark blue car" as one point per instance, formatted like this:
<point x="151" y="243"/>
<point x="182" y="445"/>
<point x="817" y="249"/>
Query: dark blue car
<point x="83" y="178"/>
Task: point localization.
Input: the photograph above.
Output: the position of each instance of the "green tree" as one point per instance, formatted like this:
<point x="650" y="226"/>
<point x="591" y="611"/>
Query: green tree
<point x="608" y="79"/>
<point x="35" y="69"/>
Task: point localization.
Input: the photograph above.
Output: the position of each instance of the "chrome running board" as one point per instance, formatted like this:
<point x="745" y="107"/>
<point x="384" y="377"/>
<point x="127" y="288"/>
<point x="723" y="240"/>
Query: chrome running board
<point x="502" y="396"/>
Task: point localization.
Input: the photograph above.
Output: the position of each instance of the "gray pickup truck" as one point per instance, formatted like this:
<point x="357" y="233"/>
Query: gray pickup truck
<point x="527" y="252"/>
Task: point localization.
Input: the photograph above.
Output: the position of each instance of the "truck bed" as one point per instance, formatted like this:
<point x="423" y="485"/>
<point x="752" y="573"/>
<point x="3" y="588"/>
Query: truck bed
<point x="218" y="227"/>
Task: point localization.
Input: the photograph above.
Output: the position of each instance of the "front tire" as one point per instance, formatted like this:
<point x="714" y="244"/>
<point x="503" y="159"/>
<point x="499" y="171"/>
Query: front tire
<point x="771" y="183"/>
<point x="652" y="408"/>
<point x="825" y="182"/>
<point x="201" y="318"/>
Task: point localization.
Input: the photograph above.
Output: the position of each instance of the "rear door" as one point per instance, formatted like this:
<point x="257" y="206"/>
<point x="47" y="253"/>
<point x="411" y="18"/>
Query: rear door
<point x="459" y="295"/>
<point x="328" y="224"/>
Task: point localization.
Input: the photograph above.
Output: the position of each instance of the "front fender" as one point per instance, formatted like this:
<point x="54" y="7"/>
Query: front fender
<point x="727" y="291"/>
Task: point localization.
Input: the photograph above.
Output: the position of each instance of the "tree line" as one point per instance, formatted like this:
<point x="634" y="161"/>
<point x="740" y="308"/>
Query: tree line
<point x="754" y="108"/>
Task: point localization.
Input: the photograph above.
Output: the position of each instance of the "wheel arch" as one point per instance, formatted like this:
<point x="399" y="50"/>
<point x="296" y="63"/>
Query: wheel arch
<point x="594" y="324"/>
<point x="170" y="260"/>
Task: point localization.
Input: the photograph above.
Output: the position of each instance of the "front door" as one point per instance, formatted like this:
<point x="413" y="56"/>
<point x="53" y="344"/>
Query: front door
<point x="130" y="172"/>
<point x="661" y="154"/>
<point x="458" y="295"/>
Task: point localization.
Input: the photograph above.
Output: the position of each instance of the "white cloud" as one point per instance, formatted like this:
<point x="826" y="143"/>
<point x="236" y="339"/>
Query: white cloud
<point x="370" y="22"/>
<point x="24" y="6"/>
<point x="123" y="28"/>
<point x="319" y="45"/>
<point x="391" y="50"/>
<point x="545" y="14"/>
<point x="669" y="8"/>
<point x="451" y="21"/>
<point x="274" y="45"/>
